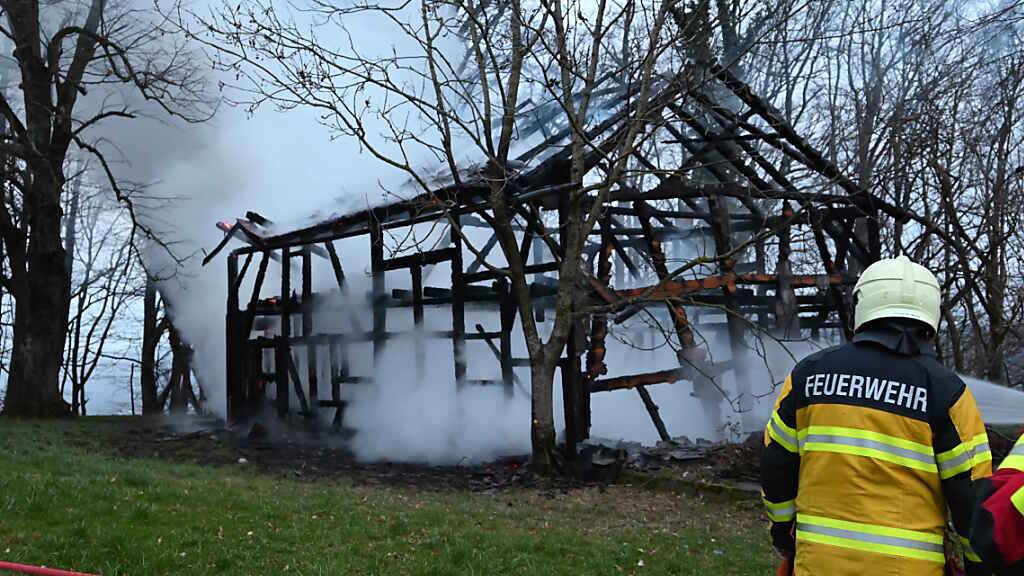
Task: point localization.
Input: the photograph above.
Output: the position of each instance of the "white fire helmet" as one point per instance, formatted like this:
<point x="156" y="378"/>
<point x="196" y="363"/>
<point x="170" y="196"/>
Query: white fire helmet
<point x="896" y="288"/>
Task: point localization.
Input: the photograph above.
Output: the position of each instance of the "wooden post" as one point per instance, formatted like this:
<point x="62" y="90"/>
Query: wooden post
<point x="377" y="272"/>
<point x="458" y="310"/>
<point x="284" y="352"/>
<point x="787" y="322"/>
<point x="507" y="310"/>
<point x="832" y="267"/>
<point x="252" y="358"/>
<point x="312" y="364"/>
<point x="337" y="373"/>
<point x="721" y="227"/>
<point x="571" y="381"/>
<point x="570" y="371"/>
<point x="417" y="315"/>
<point x="232" y="348"/>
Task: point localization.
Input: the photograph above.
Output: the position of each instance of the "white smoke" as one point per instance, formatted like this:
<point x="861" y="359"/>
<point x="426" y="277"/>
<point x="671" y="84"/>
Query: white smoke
<point x="284" y="166"/>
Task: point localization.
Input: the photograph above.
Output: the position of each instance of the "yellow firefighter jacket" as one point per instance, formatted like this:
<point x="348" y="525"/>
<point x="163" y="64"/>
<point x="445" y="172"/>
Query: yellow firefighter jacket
<point x="867" y="446"/>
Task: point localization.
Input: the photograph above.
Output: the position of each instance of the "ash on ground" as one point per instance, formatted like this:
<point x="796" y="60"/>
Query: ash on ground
<point x="300" y="454"/>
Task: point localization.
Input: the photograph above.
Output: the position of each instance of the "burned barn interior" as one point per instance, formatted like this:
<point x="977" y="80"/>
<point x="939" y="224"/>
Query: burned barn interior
<point x="781" y="232"/>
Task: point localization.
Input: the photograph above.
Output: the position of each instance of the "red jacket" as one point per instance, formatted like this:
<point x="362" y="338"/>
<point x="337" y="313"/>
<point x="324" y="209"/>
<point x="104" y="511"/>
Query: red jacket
<point x="997" y="532"/>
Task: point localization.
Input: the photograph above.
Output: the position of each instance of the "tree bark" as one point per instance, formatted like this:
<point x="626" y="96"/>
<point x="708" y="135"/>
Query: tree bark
<point x="40" y="320"/>
<point x="542" y="429"/>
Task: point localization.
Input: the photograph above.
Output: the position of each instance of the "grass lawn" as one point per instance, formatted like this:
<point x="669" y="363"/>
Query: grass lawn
<point x="84" y="509"/>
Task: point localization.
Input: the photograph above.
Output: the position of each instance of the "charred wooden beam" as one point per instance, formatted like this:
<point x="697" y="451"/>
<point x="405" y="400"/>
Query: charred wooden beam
<point x="254" y="298"/>
<point x="682" y="214"/>
<point x="499" y="356"/>
<point x="419" y="259"/>
<point x="417" y="314"/>
<point x="307" y="328"/>
<point x="339" y="277"/>
<point x="837" y="295"/>
<point x="293" y="371"/>
<point x="775" y="119"/>
<point x="458" y="310"/>
<point x="786" y="322"/>
<point x="676" y="189"/>
<point x="599" y="322"/>
<point x="478" y="262"/>
<point x="241" y="275"/>
<point x="233" y="343"/>
<point x="654" y="411"/>
<point x="678" y="288"/>
<point x="283" y="348"/>
<point x="507" y="314"/>
<point x="377" y="292"/>
<point x="676" y="232"/>
<point x="339" y="273"/>
<point x="529" y="269"/>
<point x="736" y="327"/>
<point x="339" y="368"/>
<point x="726" y="153"/>
<point x="645" y="379"/>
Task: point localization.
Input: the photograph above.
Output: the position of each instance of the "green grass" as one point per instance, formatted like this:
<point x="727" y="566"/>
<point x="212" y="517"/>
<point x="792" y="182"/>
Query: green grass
<point x="80" y="509"/>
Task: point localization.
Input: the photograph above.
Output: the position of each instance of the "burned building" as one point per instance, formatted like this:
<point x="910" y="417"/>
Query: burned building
<point x="781" y="228"/>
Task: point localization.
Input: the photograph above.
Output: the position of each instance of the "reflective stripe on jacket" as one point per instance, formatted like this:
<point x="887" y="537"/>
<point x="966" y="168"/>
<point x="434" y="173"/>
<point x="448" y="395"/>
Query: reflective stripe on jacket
<point x="867" y="446"/>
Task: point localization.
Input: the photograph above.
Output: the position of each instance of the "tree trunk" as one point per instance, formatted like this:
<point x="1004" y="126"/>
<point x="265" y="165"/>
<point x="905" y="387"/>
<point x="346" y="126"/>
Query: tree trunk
<point x="40" y="321"/>
<point x="150" y="339"/>
<point x="542" y="431"/>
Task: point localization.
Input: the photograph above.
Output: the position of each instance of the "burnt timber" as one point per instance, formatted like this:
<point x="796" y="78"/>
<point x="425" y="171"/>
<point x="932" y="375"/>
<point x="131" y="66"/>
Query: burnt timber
<point x="746" y="179"/>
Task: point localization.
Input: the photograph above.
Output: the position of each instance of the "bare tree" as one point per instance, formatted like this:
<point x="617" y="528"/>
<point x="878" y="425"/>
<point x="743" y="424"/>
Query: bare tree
<point x="64" y="50"/>
<point x="104" y="283"/>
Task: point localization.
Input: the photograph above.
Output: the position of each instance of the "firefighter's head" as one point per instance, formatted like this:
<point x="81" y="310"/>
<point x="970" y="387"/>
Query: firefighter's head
<point x="896" y="288"/>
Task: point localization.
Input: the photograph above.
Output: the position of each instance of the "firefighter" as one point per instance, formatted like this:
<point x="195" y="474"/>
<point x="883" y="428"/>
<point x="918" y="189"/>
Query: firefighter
<point x="997" y="531"/>
<point x="871" y="441"/>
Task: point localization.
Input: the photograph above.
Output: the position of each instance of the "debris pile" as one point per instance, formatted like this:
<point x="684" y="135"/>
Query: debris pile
<point x="614" y="455"/>
<point x="602" y="460"/>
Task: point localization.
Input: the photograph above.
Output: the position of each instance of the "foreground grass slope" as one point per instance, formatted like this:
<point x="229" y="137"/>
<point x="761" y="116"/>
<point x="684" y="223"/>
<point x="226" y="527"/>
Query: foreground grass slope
<point x="80" y="508"/>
